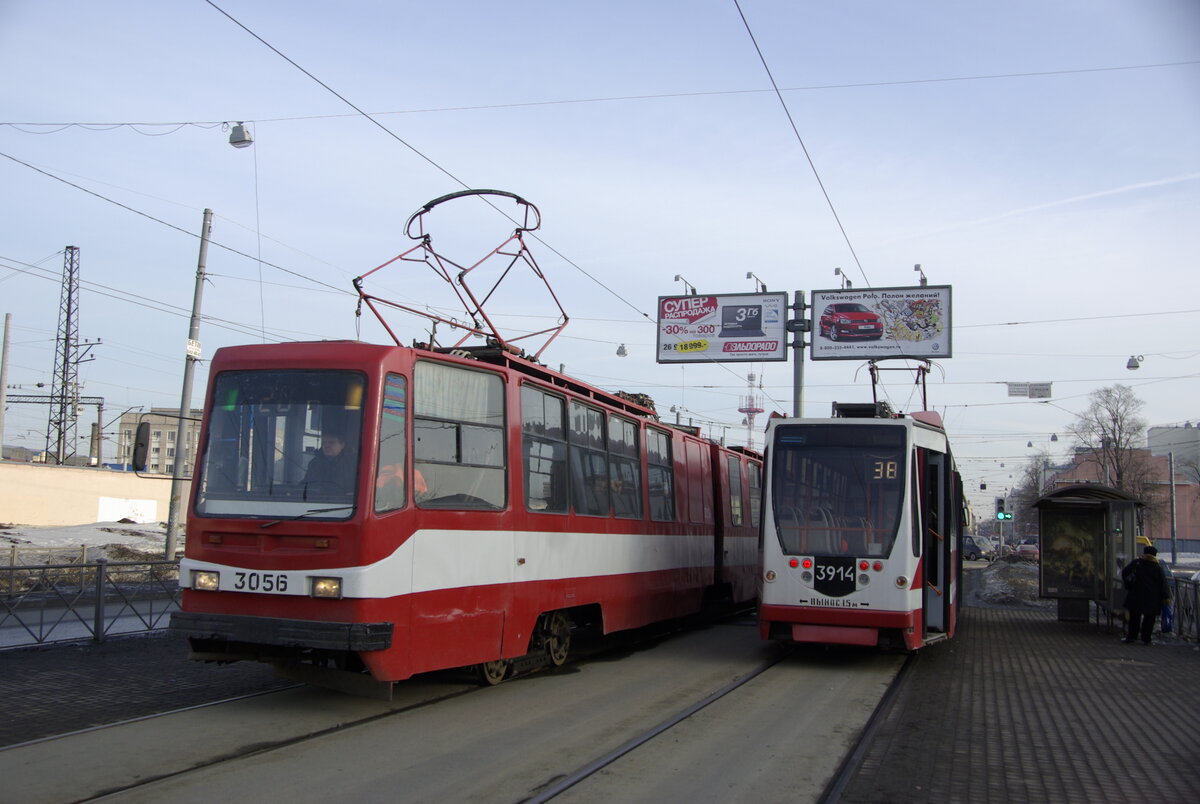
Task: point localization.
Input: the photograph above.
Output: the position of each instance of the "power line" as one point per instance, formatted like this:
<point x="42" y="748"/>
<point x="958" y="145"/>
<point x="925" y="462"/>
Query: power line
<point x="177" y="125"/>
<point x="803" y="147"/>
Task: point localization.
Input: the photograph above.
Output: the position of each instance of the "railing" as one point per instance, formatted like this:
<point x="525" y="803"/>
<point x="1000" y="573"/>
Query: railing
<point x="1186" y="609"/>
<point x="47" y="603"/>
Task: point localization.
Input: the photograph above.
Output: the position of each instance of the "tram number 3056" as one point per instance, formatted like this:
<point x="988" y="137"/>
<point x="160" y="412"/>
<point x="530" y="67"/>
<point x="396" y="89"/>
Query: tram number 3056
<point x="260" y="582"/>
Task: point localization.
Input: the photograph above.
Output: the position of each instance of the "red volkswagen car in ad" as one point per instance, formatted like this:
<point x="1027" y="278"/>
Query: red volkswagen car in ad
<point x="850" y="320"/>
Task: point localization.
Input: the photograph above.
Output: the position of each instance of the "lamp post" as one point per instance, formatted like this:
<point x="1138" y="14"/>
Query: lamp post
<point x="688" y="287"/>
<point x="917" y="268"/>
<point x="846" y="283"/>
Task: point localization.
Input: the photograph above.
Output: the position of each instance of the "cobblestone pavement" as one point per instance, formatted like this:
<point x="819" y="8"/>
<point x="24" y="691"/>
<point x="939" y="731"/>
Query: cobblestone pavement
<point x="1024" y="708"/>
<point x="58" y="689"/>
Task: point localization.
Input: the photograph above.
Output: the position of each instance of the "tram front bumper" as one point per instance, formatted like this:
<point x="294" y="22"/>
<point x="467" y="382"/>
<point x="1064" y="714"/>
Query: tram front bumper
<point x="280" y="632"/>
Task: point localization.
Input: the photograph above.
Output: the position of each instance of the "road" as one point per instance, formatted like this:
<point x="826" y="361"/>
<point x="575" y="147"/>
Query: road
<point x="781" y="736"/>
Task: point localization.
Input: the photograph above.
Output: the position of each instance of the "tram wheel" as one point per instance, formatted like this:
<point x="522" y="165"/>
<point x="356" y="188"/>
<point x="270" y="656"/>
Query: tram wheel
<point x="556" y="628"/>
<point x="492" y="673"/>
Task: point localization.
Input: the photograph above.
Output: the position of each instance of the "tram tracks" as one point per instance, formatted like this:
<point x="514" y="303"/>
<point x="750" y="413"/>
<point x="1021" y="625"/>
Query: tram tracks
<point x="561" y="734"/>
<point x="570" y="780"/>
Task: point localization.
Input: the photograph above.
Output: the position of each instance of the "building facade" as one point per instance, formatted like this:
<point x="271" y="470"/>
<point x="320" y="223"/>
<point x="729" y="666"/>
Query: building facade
<point x="165" y="448"/>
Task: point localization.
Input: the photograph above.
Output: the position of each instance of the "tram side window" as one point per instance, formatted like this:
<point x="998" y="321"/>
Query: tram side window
<point x="389" y="474"/>
<point x="458" y="437"/>
<point x="624" y="468"/>
<point x="545" y="451"/>
<point x="755" y="493"/>
<point x="588" y="461"/>
<point x="661" y="475"/>
<point x="735" y="489"/>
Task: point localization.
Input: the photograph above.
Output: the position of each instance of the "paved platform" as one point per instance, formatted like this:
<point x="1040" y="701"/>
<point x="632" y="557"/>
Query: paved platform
<point x="1019" y="708"/>
<point x="1024" y="708"/>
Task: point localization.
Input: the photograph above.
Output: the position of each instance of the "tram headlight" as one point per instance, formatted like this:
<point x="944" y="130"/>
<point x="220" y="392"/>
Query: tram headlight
<point x="806" y="576"/>
<point x="901" y="581"/>
<point x="769" y="575"/>
<point x="327" y="588"/>
<point x="206" y="580"/>
<point x="864" y="579"/>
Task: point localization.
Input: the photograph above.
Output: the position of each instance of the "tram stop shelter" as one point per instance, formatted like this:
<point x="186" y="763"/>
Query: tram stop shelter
<point x="1087" y="536"/>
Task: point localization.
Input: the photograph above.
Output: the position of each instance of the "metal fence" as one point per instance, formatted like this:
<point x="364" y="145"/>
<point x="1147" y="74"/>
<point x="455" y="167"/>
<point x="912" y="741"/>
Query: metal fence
<point x="1184" y="602"/>
<point x="49" y="603"/>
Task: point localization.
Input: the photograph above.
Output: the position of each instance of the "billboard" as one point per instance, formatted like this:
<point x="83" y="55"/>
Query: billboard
<point x="723" y="328"/>
<point x="878" y="323"/>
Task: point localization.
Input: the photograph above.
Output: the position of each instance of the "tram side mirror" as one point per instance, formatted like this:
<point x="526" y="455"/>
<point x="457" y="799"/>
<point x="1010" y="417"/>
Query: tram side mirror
<point x="141" y="446"/>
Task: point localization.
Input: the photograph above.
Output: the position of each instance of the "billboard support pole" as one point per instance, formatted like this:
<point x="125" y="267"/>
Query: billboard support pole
<point x="798" y="326"/>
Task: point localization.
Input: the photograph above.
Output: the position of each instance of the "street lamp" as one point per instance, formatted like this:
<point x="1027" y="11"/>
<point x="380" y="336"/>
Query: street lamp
<point x="1135" y="362"/>
<point x="846" y="283"/>
<point x="759" y="285"/>
<point x="917" y="268"/>
<point x="240" y="136"/>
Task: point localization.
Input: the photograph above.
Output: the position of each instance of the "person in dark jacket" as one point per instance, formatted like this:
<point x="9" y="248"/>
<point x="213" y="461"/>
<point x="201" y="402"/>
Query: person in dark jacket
<point x="331" y="471"/>
<point x="1146" y="593"/>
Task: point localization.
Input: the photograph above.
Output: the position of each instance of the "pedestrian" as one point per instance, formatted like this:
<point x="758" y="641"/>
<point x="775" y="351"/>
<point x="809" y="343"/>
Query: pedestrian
<point x="1146" y="592"/>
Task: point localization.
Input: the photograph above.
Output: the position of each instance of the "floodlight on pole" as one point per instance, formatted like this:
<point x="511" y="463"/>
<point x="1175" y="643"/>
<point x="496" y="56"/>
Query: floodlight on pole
<point x="846" y="283"/>
<point x="917" y="268"/>
<point x="688" y="287"/>
<point x="759" y="285"/>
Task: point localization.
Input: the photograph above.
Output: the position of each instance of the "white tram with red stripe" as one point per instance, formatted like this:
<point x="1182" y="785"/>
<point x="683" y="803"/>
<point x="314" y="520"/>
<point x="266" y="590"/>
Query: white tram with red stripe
<point x="487" y="505"/>
<point x="861" y="531"/>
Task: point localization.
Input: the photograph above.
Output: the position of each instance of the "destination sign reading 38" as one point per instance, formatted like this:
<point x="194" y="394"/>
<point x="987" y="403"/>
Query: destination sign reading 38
<point x="722" y="328"/>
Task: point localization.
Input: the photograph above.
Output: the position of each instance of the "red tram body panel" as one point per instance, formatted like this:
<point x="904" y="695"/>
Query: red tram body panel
<point x="385" y="510"/>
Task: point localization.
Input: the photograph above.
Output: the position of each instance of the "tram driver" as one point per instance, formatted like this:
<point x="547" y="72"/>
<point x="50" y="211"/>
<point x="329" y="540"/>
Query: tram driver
<point x="331" y="471"/>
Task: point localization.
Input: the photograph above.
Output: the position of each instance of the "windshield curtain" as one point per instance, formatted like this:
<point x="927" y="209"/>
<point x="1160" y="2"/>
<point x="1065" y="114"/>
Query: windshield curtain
<point x="838" y="490"/>
<point x="282" y="444"/>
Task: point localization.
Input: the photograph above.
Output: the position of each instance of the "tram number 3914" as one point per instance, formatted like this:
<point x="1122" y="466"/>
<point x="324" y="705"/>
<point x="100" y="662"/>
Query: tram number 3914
<point x="260" y="582"/>
<point x="834" y="573"/>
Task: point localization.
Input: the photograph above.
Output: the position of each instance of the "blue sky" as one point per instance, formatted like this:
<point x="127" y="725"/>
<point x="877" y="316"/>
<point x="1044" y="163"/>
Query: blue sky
<point x="1041" y="158"/>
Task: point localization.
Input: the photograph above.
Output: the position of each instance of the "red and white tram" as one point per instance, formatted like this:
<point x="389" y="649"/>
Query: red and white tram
<point x="861" y="531"/>
<point x="485" y="505"/>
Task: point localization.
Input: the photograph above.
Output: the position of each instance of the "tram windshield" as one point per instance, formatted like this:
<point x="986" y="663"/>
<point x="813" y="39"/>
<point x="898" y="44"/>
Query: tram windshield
<point x="838" y="489"/>
<point x="282" y="444"/>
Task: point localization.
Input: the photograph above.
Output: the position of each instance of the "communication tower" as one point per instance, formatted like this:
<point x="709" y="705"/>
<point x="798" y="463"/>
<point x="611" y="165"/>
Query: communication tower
<point x="751" y="406"/>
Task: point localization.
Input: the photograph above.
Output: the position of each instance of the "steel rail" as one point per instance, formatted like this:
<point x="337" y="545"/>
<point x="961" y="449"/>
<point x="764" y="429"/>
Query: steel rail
<point x="629" y="746"/>
<point x="854" y="757"/>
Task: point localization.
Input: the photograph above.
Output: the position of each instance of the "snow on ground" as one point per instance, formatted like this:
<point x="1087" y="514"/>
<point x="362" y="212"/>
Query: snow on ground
<point x="116" y="541"/>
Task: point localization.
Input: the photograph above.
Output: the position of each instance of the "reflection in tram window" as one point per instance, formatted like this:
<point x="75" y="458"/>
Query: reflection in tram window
<point x="838" y="490"/>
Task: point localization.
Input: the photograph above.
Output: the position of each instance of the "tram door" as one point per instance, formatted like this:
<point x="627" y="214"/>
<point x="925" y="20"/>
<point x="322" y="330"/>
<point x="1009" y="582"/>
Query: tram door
<point x="937" y="540"/>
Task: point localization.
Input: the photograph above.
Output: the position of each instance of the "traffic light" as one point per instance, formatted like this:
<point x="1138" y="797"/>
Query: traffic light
<point x="1001" y="514"/>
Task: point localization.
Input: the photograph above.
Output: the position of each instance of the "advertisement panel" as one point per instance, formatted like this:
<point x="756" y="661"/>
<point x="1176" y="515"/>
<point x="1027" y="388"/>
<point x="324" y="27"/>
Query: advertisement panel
<point x="881" y="322"/>
<point x="723" y="328"/>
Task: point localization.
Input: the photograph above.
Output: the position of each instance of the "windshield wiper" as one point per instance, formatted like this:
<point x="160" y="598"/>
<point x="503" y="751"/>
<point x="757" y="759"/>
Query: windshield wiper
<point x="309" y="512"/>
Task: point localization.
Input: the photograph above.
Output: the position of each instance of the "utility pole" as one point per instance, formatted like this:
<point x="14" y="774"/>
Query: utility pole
<point x="1171" y="476"/>
<point x="4" y="378"/>
<point x="185" y="401"/>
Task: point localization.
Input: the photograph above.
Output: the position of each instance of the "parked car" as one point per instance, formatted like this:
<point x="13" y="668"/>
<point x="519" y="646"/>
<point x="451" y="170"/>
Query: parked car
<point x="850" y="320"/>
<point x="1029" y="549"/>
<point x="977" y="547"/>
